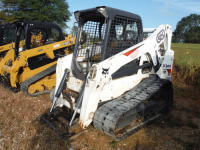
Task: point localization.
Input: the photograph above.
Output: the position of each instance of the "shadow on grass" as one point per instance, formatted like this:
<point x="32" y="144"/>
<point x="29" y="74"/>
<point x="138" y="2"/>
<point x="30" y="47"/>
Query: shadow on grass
<point x="188" y="145"/>
<point x="46" y="138"/>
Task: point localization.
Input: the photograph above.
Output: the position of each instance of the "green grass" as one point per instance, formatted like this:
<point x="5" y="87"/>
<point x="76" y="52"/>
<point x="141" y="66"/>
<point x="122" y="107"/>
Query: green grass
<point x="186" y="55"/>
<point x="113" y="144"/>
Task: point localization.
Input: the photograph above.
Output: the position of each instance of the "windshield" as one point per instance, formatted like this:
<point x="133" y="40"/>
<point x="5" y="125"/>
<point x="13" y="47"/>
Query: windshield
<point x="90" y="46"/>
<point x="8" y="35"/>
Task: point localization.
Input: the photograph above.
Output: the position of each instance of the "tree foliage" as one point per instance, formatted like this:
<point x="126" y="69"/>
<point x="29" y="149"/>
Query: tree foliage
<point x="55" y="11"/>
<point x="74" y="30"/>
<point x="6" y="6"/>
<point x="188" y="29"/>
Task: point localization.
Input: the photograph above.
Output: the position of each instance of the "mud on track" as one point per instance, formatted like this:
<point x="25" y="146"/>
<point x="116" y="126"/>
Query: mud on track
<point x="19" y="128"/>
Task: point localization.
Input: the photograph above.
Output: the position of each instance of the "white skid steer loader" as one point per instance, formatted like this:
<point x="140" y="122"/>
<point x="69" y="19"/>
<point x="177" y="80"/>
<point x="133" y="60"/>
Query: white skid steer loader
<point x="115" y="80"/>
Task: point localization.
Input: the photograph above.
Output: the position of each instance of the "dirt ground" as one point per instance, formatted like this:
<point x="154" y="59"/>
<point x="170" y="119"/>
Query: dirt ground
<point x="20" y="130"/>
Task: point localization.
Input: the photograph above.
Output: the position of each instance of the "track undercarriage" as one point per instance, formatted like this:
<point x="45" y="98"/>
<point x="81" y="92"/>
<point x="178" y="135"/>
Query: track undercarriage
<point x="135" y="109"/>
<point x="41" y="83"/>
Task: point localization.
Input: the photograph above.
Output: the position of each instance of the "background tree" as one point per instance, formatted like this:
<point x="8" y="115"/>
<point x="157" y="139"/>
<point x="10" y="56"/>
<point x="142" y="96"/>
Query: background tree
<point x="55" y="11"/>
<point x="74" y="29"/>
<point x="6" y="6"/>
<point x="188" y="29"/>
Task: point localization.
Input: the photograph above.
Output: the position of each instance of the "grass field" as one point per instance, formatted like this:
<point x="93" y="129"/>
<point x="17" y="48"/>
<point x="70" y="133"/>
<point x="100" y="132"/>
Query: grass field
<point x="186" y="55"/>
<point x="187" y="63"/>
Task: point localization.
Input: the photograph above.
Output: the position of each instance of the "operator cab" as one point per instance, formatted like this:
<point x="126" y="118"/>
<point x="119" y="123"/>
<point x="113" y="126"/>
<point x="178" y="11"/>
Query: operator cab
<point x="102" y="33"/>
<point x="30" y="35"/>
<point x="36" y="34"/>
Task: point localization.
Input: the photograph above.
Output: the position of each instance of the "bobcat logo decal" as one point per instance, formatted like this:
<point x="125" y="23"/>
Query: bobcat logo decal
<point x="105" y="71"/>
<point x="160" y="36"/>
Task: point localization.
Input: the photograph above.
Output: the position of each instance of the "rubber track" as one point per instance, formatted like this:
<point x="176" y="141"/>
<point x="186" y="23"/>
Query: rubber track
<point x="29" y="81"/>
<point x="106" y="117"/>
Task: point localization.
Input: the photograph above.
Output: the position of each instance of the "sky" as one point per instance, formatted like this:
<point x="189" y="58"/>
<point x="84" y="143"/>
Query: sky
<point x="152" y="12"/>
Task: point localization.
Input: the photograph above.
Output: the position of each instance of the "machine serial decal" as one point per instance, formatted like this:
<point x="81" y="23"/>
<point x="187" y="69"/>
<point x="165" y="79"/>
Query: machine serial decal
<point x="167" y="66"/>
<point x="160" y="36"/>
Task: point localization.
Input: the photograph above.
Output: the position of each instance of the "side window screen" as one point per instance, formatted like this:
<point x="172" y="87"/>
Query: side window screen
<point x="43" y="36"/>
<point x="36" y="38"/>
<point x="103" y="29"/>
<point x="131" y="31"/>
<point x="119" y="32"/>
<point x="124" y="33"/>
<point x="55" y="34"/>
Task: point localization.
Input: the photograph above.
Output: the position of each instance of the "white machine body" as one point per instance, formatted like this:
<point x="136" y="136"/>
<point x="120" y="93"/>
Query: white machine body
<point x="100" y="86"/>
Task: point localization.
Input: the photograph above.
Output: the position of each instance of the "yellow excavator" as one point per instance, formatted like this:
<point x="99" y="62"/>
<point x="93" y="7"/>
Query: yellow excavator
<point x="31" y="64"/>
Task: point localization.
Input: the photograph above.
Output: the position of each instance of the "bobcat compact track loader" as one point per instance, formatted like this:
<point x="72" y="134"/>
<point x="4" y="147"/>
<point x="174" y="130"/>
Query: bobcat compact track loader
<point x="116" y="81"/>
<point x="31" y="64"/>
<point x="7" y="33"/>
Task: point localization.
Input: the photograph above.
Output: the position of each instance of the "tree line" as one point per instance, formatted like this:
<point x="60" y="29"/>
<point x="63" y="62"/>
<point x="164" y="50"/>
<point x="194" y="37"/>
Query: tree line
<point x="187" y="30"/>
<point x="54" y="11"/>
<point x="57" y="11"/>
